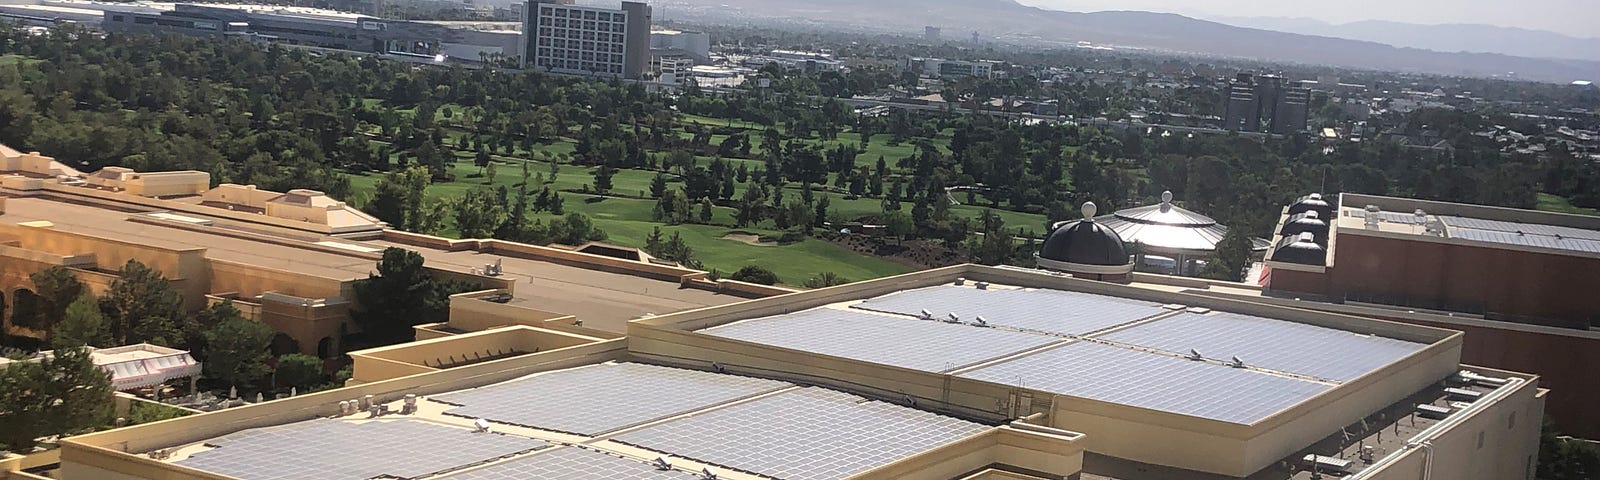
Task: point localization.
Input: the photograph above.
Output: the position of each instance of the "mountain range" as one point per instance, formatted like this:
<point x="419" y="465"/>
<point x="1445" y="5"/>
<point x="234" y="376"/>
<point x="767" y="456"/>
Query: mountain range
<point x="1012" y="21"/>
<point x="1443" y="38"/>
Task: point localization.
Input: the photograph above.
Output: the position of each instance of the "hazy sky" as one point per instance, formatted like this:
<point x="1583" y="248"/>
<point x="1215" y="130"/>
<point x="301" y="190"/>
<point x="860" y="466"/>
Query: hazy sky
<point x="1572" y="17"/>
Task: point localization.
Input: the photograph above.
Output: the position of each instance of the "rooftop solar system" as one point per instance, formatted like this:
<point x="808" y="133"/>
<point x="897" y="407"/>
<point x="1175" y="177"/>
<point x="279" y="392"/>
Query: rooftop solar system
<point x="1047" y="311"/>
<point x="595" y="399"/>
<point x="930" y="346"/>
<point x="1297" y="348"/>
<point x="1154" y="381"/>
<point x="572" y="463"/>
<point x="345" y="450"/>
<point x="805" y="434"/>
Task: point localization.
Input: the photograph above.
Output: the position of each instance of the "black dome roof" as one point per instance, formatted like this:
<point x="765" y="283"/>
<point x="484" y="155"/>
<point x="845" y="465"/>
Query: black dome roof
<point x="1308" y="222"/>
<point x="1301" y="249"/>
<point x="1085" y="242"/>
<point x="1312" y="203"/>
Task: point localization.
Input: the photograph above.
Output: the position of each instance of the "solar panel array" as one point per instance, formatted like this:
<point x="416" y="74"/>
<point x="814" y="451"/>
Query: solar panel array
<point x="806" y="434"/>
<point x="572" y="463"/>
<point x="344" y="450"/>
<point x="1154" y="381"/>
<point x="924" y="345"/>
<point x="1526" y="228"/>
<point x="1527" y="240"/>
<point x="595" y="399"/>
<point x="1049" y="311"/>
<point x="1298" y="348"/>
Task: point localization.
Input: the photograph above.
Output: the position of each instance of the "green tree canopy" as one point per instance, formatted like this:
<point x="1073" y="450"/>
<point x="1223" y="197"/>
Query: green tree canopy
<point x="82" y="325"/>
<point x="59" y="395"/>
<point x="56" y="288"/>
<point x="400" y="295"/>
<point x="142" y="307"/>
<point x="300" y="371"/>
<point x="755" y="274"/>
<point x="236" y="351"/>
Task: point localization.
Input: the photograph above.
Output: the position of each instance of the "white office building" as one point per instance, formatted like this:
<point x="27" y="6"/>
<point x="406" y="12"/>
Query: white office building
<point x="566" y="38"/>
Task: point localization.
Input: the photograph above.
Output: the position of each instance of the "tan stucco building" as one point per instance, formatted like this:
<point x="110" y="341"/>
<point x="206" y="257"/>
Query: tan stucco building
<point x="956" y="373"/>
<point x="290" y="259"/>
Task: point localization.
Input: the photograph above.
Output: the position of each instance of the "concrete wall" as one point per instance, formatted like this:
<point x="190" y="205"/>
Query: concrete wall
<point x="242" y="195"/>
<point x="1500" y="442"/>
<point x="379" y="364"/>
<point x="470" y="312"/>
<point x="187" y="269"/>
<point x="1457" y="277"/>
<point x="162" y="184"/>
<point x="1058" y="453"/>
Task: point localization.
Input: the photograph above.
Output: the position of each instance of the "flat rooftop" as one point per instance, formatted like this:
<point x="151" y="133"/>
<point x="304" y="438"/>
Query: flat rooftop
<point x="600" y="421"/>
<point x="1489" y="227"/>
<point x="1220" y="366"/>
<point x="603" y="300"/>
<point x="114" y="224"/>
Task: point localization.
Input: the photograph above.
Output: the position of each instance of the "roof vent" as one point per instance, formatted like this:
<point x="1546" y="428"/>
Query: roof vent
<point x="663" y="463"/>
<point x="410" y="405"/>
<point x="1194" y="355"/>
<point x="910" y="401"/>
<point x="480" y="426"/>
<point x="953" y="318"/>
<point x="718" y="367"/>
<point x="981" y="285"/>
<point x="979" y="321"/>
<point x="1237" y="362"/>
<point x="708" y="473"/>
<point x="927" y="315"/>
<point x="961" y="281"/>
<point x="1422" y="217"/>
<point x="1372" y="218"/>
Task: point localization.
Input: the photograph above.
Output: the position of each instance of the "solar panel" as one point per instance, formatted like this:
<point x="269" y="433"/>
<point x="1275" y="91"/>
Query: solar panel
<point x="1319" y="352"/>
<point x="925" y="345"/>
<point x="572" y="463"/>
<point x="1527" y="228"/>
<point x="595" y="399"/>
<point x="1390" y="217"/>
<point x="1154" y="381"/>
<point x="1527" y="240"/>
<point x="806" y="434"/>
<point x="345" y="450"/>
<point x="1048" y="311"/>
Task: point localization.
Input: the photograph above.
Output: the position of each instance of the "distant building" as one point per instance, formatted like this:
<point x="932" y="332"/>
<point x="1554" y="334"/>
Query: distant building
<point x="1262" y="103"/>
<point x="566" y="38"/>
<point x="931" y="33"/>
<point x="941" y="68"/>
<point x="808" y="62"/>
<point x="295" y="25"/>
<point x="695" y="46"/>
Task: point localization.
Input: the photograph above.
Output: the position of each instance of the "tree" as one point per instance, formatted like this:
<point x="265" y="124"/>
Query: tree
<point x="1564" y="458"/>
<point x="236" y="351"/>
<point x="142" y="307"/>
<point x="399" y="295"/>
<point x="55" y="288"/>
<point x="898" y="225"/>
<point x="602" y="178"/>
<point x="821" y="217"/>
<point x="705" y="211"/>
<point x="82" y="325"/>
<point x="824" y="280"/>
<point x="479" y="213"/>
<point x="658" y="185"/>
<point x="755" y="274"/>
<point x="1233" y="256"/>
<point x="62" y="394"/>
<point x="301" y="371"/>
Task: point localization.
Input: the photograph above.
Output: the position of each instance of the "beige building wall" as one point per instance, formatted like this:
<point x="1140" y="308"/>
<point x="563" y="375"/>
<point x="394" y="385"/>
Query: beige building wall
<point x="165" y="184"/>
<point x="241" y="195"/>
<point x="384" y="363"/>
<point x="1500" y="442"/>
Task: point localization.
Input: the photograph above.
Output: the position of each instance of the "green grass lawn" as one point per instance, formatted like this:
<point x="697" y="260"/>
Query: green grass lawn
<point x="628" y="221"/>
<point x="1555" y="203"/>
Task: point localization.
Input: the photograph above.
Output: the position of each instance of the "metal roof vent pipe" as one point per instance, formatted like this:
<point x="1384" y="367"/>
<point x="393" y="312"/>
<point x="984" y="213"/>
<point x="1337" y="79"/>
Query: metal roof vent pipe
<point x="410" y="406"/>
<point x="961" y="281"/>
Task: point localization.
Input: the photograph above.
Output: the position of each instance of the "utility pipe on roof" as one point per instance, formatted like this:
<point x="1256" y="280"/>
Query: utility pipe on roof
<point x="1425" y="438"/>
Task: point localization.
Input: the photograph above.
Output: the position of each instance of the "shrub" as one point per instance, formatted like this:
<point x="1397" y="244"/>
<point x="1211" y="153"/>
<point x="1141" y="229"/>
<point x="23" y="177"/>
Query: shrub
<point x="754" y="274"/>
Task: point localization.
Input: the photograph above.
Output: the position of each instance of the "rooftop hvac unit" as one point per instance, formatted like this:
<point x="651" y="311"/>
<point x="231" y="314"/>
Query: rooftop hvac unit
<point x="1320" y="463"/>
<point x="953" y="318"/>
<point x="663" y="463"/>
<point x="480" y="426"/>
<point x="1372" y="217"/>
<point x="1462" y="394"/>
<point x="1433" y="411"/>
<point x="927" y="315"/>
<point x="979" y="321"/>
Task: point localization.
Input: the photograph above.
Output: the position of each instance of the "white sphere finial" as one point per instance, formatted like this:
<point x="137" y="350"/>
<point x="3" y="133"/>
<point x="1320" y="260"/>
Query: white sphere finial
<point x="1166" y="197"/>
<point x="1089" y="210"/>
